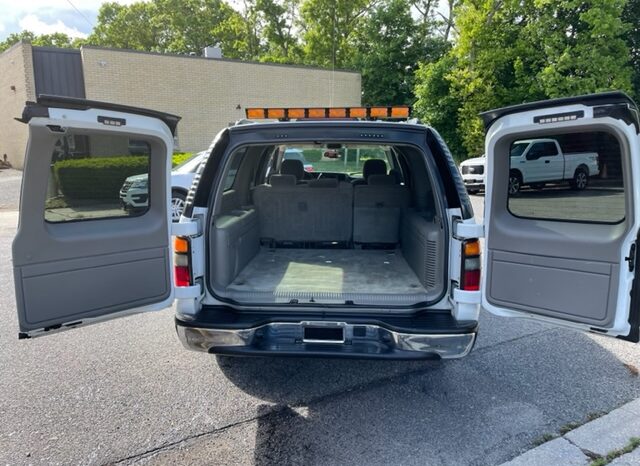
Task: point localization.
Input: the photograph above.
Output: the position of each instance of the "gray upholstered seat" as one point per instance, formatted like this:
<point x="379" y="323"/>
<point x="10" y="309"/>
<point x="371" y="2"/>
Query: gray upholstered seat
<point x="319" y="211"/>
<point x="293" y="167"/>
<point x="377" y="210"/>
<point x="371" y="167"/>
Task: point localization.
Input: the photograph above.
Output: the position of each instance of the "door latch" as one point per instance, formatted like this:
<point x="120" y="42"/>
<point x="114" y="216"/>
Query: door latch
<point x="632" y="257"/>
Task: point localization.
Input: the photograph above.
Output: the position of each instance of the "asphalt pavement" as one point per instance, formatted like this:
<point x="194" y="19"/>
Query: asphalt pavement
<point x="126" y="392"/>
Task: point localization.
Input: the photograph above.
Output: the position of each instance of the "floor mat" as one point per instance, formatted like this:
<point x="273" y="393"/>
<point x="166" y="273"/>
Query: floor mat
<point x="332" y="271"/>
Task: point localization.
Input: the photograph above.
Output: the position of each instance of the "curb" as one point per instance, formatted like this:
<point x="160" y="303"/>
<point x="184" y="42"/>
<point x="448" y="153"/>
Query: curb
<point x="593" y="440"/>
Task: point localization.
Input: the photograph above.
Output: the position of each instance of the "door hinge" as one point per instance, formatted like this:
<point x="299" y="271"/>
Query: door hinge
<point x="467" y="230"/>
<point x="190" y="228"/>
<point x="631" y="258"/>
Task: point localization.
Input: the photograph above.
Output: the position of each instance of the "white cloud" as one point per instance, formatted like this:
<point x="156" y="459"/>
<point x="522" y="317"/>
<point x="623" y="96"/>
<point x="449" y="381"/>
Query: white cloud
<point x="34" y="24"/>
<point x="18" y="8"/>
<point x="50" y="16"/>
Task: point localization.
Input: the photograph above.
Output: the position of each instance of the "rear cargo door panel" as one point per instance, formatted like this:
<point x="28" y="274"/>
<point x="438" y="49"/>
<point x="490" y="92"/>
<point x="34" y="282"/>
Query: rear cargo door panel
<point x="87" y="249"/>
<point x="558" y="253"/>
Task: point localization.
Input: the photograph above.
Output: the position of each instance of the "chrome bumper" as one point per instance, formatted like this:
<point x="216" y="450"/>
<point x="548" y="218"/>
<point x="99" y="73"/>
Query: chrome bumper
<point x="360" y="341"/>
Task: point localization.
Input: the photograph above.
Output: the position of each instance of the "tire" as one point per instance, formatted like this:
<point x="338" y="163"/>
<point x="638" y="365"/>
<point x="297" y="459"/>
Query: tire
<point x="515" y="183"/>
<point x="178" y="201"/>
<point x="538" y="186"/>
<point x="580" y="179"/>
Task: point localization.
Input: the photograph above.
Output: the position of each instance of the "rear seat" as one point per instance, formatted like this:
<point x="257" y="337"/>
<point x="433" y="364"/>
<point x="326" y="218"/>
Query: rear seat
<point x="377" y="210"/>
<point x="330" y="216"/>
<point x="293" y="167"/>
<point x="318" y="211"/>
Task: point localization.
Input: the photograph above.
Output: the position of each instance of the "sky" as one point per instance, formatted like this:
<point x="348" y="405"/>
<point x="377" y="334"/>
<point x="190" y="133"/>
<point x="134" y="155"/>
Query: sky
<point x="73" y="17"/>
<point x="48" y="16"/>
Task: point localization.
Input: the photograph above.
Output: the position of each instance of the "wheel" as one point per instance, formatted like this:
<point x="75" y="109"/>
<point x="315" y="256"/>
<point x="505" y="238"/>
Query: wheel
<point x="515" y="182"/>
<point x="580" y="179"/>
<point x="538" y="186"/>
<point x="178" y="200"/>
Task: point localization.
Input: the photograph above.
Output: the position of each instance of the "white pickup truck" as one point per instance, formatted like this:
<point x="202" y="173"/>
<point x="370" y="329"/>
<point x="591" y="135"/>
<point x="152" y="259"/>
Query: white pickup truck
<point x="535" y="162"/>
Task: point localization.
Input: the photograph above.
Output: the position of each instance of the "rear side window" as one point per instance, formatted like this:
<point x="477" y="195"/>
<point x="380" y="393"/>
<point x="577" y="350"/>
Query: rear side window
<point x="96" y="176"/>
<point x="232" y="173"/>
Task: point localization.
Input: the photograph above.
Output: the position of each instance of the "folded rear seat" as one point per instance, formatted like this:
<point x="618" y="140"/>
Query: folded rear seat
<point x="319" y="211"/>
<point x="274" y="213"/>
<point x="377" y="210"/>
<point x="330" y="213"/>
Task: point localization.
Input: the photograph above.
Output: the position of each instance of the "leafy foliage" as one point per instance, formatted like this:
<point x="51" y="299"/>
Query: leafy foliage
<point x="388" y="49"/>
<point x="513" y="51"/>
<point x="102" y="177"/>
<point x="451" y="59"/>
<point x="97" y="178"/>
<point x="57" y="39"/>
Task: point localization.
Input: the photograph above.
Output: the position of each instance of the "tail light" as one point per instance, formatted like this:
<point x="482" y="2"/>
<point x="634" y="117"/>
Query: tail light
<point x="470" y="270"/>
<point x="182" y="261"/>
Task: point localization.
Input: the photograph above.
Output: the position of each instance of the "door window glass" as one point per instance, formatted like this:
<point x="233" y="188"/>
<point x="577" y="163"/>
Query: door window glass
<point x="232" y="172"/>
<point x="97" y="176"/>
<point x="583" y="184"/>
<point x="542" y="149"/>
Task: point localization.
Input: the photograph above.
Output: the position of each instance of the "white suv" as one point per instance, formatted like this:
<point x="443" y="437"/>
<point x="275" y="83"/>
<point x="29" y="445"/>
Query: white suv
<point x="473" y="175"/>
<point x="133" y="193"/>
<point x="375" y="255"/>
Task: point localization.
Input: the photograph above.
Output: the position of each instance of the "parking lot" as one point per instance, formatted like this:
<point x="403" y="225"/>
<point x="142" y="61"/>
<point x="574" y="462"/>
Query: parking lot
<point x="126" y="392"/>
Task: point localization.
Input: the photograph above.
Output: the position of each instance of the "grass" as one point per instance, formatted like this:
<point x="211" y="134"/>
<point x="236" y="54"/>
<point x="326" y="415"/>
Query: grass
<point x="337" y="166"/>
<point x="544" y="438"/>
<point x="568" y="427"/>
<point x="634" y="442"/>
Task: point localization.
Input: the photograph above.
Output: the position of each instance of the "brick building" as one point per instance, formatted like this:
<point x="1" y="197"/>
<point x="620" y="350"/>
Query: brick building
<point x="208" y="93"/>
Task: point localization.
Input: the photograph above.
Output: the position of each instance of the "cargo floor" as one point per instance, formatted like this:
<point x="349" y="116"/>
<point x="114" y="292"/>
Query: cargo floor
<point x="328" y="275"/>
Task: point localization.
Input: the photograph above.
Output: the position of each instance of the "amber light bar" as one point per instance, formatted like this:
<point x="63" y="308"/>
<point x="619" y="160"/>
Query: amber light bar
<point x="366" y="113"/>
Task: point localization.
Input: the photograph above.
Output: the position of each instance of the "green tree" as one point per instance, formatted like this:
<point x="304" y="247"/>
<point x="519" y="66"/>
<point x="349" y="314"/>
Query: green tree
<point x="631" y="16"/>
<point x="278" y="20"/>
<point x="437" y="104"/>
<point x="131" y="26"/>
<point x="512" y="51"/>
<point x="174" y="26"/>
<point x="328" y="28"/>
<point x="57" y="39"/>
<point x="386" y="52"/>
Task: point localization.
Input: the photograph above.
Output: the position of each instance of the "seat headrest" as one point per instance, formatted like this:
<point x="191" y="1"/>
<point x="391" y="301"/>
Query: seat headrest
<point x="282" y="180"/>
<point x="324" y="183"/>
<point x="292" y="167"/>
<point x="373" y="167"/>
<point x="380" y="180"/>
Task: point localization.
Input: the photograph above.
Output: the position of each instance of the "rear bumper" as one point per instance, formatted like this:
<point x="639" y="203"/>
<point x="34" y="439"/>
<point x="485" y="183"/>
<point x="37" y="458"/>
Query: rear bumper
<point x="474" y="184"/>
<point x="359" y="338"/>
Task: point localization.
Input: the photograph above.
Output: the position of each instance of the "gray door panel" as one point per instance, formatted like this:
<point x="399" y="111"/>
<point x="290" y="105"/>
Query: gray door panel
<point x="90" y="268"/>
<point x="81" y="288"/>
<point x="565" y="288"/>
<point x="564" y="269"/>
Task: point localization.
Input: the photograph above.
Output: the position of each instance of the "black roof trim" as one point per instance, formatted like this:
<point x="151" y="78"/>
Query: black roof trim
<point x="40" y="108"/>
<point x="592" y="100"/>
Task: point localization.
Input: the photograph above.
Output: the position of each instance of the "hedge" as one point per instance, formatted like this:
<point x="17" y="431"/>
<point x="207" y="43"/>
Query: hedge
<point x="101" y="177"/>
